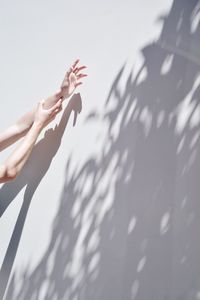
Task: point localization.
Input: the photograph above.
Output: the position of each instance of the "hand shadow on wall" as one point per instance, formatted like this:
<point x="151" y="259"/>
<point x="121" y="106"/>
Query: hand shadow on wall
<point x="31" y="176"/>
<point x="123" y="223"/>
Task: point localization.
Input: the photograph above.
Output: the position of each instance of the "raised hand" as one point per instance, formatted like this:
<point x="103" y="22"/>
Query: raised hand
<point x="71" y="80"/>
<point x="45" y="116"/>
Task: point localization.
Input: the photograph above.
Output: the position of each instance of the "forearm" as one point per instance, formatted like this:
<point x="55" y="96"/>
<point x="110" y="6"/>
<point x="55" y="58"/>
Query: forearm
<point x="25" y="122"/>
<point x="11" y="135"/>
<point x="15" y="162"/>
<point x="18" y="158"/>
<point x="20" y="128"/>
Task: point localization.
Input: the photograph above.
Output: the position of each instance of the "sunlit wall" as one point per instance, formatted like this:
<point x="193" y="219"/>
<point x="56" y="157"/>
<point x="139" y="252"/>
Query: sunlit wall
<point x="108" y="208"/>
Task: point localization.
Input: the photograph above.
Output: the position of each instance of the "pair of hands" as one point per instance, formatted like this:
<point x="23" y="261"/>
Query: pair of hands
<point x="71" y="81"/>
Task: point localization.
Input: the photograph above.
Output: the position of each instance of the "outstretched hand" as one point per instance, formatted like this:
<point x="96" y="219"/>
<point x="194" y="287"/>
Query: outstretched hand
<point x="71" y="80"/>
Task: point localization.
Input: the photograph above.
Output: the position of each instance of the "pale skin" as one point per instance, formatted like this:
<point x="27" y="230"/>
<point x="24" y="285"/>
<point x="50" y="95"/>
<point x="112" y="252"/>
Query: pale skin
<point x="31" y="124"/>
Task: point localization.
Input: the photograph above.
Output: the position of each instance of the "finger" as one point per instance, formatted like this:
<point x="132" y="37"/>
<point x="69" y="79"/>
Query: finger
<point x="78" y="83"/>
<point x="54" y="112"/>
<point x="81" y="75"/>
<point x="52" y="117"/>
<point x="68" y="72"/>
<point x="59" y="104"/>
<point x="76" y="70"/>
<point x="75" y="63"/>
<point x="55" y="106"/>
<point x="57" y="110"/>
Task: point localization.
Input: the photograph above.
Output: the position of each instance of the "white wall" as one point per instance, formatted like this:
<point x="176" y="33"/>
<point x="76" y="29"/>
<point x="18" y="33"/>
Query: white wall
<point x="39" y="40"/>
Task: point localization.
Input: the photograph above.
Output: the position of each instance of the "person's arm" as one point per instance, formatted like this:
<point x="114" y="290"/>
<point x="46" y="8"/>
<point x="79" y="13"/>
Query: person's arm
<point x="15" y="162"/>
<point x="24" y="123"/>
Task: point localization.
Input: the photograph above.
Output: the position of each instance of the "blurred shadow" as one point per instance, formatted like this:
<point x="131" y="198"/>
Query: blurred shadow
<point x="128" y="222"/>
<point x="31" y="176"/>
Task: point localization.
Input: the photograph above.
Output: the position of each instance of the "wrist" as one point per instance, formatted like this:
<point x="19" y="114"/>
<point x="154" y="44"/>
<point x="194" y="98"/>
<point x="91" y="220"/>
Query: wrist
<point x="63" y="93"/>
<point x="58" y="93"/>
<point x="52" y="100"/>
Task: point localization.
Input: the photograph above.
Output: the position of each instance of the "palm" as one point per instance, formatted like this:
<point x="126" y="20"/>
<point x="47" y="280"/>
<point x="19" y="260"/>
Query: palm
<point x="71" y="80"/>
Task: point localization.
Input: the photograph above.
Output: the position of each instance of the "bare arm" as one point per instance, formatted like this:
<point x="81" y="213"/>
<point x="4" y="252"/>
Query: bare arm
<point x="28" y="126"/>
<point x="15" y="162"/>
<point x="23" y="124"/>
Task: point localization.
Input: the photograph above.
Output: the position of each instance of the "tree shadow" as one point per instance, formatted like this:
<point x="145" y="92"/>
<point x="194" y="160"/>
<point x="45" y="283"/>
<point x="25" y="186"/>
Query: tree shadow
<point x="128" y="222"/>
<point x="31" y="176"/>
